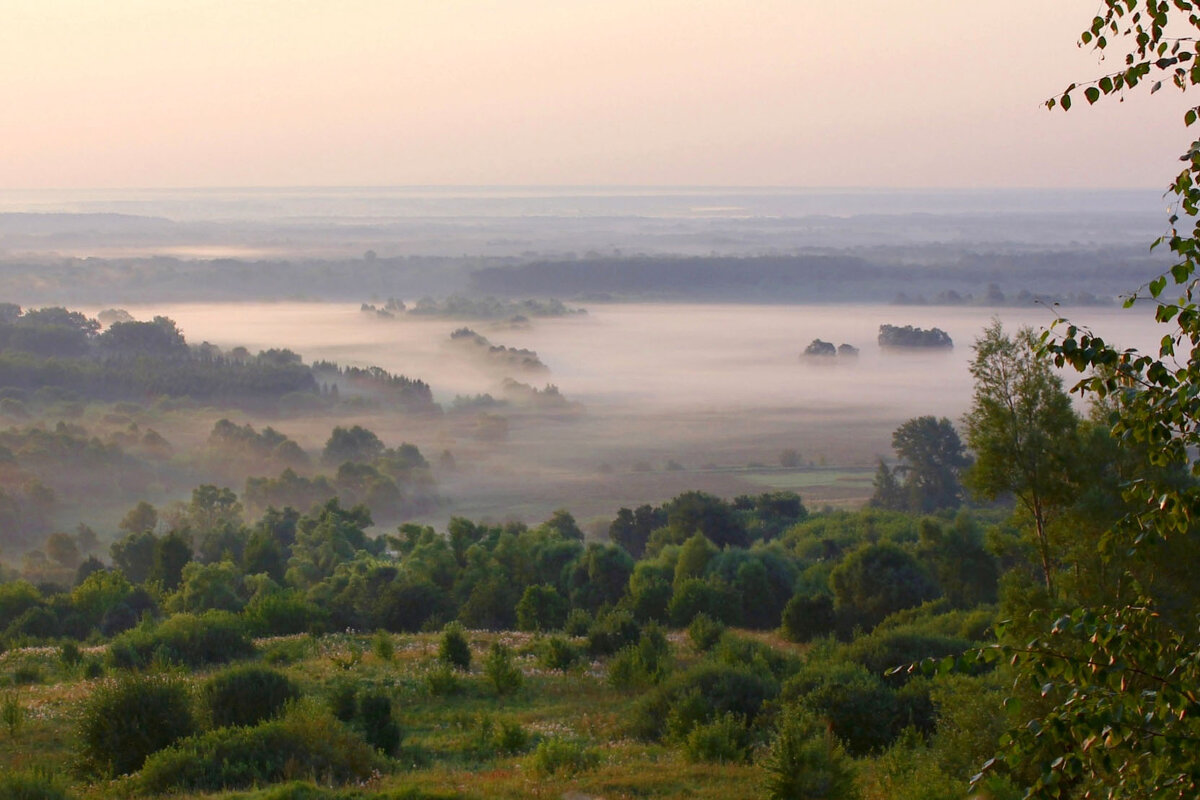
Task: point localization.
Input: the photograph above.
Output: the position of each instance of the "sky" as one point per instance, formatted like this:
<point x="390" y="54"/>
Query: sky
<point x="798" y="93"/>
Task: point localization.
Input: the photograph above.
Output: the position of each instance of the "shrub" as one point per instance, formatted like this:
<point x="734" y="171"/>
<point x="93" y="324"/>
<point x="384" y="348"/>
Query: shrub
<point x="578" y="622"/>
<point x="807" y="616"/>
<point x="806" y="763"/>
<point x="442" y="681"/>
<point x="213" y="637"/>
<point x="286" y="651"/>
<point x="610" y="632"/>
<point x="737" y="650"/>
<point x="724" y="740"/>
<point x="509" y="737"/>
<point x="883" y="651"/>
<point x="26" y="674"/>
<point x="553" y="756"/>
<point x="506" y="737"/>
<point x="12" y="713"/>
<point x="31" y="785"/>
<point x="705" y="632"/>
<point x="541" y="608"/>
<point x="126" y="721"/>
<point x="375" y="721"/>
<point x="453" y="648"/>
<point x="246" y="695"/>
<point x="694" y="596"/>
<point x="69" y="655"/>
<point x="382" y="646"/>
<point x="557" y="653"/>
<point x="305" y="740"/>
<point x="343" y="700"/>
<point x="504" y="676"/>
<point x="700" y="695"/>
<point x="645" y="664"/>
<point x="859" y="708"/>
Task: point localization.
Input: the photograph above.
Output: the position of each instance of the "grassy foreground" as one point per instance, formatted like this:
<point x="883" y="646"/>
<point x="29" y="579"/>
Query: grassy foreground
<point x="560" y="734"/>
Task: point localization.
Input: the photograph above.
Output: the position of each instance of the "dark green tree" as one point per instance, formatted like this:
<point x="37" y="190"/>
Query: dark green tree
<point x="931" y="460"/>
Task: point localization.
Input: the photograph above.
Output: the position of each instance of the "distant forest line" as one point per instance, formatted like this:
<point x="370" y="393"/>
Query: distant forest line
<point x="993" y="275"/>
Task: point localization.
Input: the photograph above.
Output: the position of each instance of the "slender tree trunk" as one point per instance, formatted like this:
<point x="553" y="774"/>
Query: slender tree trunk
<point x="1043" y="543"/>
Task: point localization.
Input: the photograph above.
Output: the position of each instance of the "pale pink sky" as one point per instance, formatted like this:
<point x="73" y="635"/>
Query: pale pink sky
<point x="176" y="93"/>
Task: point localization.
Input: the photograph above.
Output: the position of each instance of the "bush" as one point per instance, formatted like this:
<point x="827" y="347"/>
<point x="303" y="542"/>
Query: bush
<point x="736" y="650"/>
<point x="306" y="740"/>
<point x="859" y="708"/>
<point x="883" y="651"/>
<point x="506" y="737"/>
<point x="442" y="681"/>
<point x="541" y="608"/>
<point x="645" y="664"/>
<point x="557" y="653"/>
<point x="807" y="616"/>
<point x="246" y="695"/>
<point x="700" y="695"/>
<point x="694" y="596"/>
<point x="31" y="785"/>
<point x="578" y="622"/>
<point x="376" y="722"/>
<point x="504" y="676"/>
<point x="806" y="763"/>
<point x="213" y="637"/>
<point x="725" y="740"/>
<point x="553" y="756"/>
<point x="453" y="648"/>
<point x="383" y="646"/>
<point x="126" y="721"/>
<point x="705" y="632"/>
<point x="610" y="632"/>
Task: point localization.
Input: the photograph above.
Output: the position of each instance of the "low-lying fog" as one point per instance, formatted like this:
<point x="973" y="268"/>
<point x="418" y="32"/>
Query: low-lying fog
<point x="711" y="388"/>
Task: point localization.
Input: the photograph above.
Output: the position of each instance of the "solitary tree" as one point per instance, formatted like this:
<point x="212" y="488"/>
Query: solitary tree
<point x="1023" y="432"/>
<point x="932" y="458"/>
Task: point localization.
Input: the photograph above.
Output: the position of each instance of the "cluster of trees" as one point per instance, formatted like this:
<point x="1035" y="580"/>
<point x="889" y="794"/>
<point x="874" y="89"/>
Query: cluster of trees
<point x="53" y="354"/>
<point x="457" y="306"/>
<point x="510" y="357"/>
<point x="908" y="336"/>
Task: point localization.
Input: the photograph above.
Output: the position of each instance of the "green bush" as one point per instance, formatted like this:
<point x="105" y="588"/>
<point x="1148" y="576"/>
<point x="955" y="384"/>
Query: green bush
<point x="246" y="695"/>
<point x="442" y="681"/>
<point x="306" y="740"/>
<point x="375" y="721"/>
<point x="807" y="616"/>
<point x="31" y="785"/>
<point x="453" y="648"/>
<point x="557" y="653"/>
<point x="860" y="709"/>
<point x="805" y="762"/>
<point x="883" y="651"/>
<point x="506" y="737"/>
<point x="738" y="650"/>
<point x="554" y="756"/>
<point x="645" y="664"/>
<point x="578" y="622"/>
<point x="610" y="632"/>
<point x="541" y="608"/>
<point x="282" y="652"/>
<point x="213" y="637"/>
<point x="127" y="720"/>
<point x="725" y="740"/>
<point x="500" y="670"/>
<point x="698" y="696"/>
<point x="383" y="646"/>
<point x="705" y="632"/>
